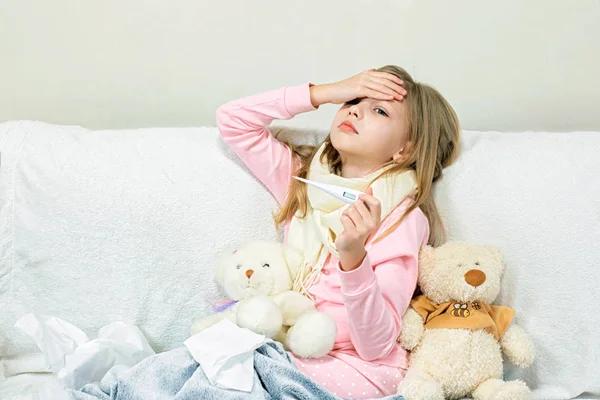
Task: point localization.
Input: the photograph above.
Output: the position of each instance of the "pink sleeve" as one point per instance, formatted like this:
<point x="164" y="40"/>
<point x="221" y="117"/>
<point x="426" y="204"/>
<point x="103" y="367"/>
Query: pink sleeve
<point x="378" y="292"/>
<point x="243" y="125"/>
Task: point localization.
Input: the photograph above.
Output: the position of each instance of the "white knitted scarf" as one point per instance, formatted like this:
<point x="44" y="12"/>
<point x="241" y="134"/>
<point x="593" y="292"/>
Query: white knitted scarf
<point x="315" y="234"/>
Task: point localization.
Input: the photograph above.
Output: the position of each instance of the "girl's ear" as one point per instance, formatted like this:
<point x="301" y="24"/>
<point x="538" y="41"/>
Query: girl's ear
<point x="403" y="152"/>
<point x="398" y="155"/>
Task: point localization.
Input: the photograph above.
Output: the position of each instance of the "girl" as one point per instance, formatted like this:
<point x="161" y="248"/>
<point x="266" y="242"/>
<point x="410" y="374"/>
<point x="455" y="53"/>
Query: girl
<point x="391" y="138"/>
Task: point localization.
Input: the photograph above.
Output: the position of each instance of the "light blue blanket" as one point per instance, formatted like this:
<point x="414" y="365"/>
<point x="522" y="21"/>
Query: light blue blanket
<point x="175" y="375"/>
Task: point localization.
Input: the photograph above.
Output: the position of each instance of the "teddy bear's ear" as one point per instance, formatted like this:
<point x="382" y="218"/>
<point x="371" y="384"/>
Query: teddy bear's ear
<point x="426" y="254"/>
<point x="496" y="255"/>
<point x="293" y="258"/>
<point x="223" y="261"/>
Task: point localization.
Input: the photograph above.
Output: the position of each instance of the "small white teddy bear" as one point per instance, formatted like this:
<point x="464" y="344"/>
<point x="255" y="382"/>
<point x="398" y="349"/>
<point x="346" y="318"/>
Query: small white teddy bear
<point x="260" y="277"/>
<point x="456" y="335"/>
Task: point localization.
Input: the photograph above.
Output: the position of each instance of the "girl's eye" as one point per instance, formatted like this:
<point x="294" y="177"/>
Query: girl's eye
<point x="352" y="102"/>
<point x="381" y="112"/>
<point x="266" y="266"/>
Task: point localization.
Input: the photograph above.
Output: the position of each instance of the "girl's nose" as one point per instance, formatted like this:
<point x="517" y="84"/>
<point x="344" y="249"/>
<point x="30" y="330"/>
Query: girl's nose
<point x="354" y="111"/>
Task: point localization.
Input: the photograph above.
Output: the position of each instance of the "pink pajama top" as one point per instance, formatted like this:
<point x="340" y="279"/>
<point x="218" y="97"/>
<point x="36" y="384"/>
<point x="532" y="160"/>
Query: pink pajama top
<point x="366" y="303"/>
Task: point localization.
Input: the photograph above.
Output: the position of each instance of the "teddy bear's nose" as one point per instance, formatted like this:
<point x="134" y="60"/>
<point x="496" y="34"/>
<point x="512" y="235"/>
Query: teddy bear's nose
<point x="475" y="277"/>
<point x="249" y="273"/>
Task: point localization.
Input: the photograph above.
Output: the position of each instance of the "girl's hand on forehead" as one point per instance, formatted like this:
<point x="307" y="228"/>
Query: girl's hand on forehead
<point x="373" y="84"/>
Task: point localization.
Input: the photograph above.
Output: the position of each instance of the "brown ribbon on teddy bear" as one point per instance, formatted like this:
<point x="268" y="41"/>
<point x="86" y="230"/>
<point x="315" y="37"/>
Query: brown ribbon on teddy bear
<point x="471" y="315"/>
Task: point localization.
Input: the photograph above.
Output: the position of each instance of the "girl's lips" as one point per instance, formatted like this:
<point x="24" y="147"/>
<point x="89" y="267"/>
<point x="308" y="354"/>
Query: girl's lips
<point x="347" y="126"/>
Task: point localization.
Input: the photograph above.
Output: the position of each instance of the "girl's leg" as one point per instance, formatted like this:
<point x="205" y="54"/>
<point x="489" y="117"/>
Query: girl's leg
<point x="343" y="380"/>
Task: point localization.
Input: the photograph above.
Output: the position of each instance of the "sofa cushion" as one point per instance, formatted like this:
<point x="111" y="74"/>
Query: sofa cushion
<point x="536" y="197"/>
<point x="99" y="226"/>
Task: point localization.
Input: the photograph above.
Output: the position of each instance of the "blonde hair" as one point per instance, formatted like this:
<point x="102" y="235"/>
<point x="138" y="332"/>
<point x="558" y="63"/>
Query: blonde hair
<point x="434" y="133"/>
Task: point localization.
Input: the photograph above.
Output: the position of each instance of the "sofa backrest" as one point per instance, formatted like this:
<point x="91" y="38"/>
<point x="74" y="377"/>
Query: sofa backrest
<point x="99" y="226"/>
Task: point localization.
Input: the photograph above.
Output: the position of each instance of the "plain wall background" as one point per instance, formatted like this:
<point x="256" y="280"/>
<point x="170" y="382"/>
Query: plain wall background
<point x="504" y="65"/>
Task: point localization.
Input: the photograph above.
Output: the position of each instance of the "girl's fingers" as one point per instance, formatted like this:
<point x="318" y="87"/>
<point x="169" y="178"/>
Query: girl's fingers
<point x="356" y="218"/>
<point x="347" y="223"/>
<point x="363" y="211"/>
<point x="381" y="88"/>
<point x="388" y="76"/>
<point x="374" y="205"/>
<point x="374" y="94"/>
<point x="392" y="85"/>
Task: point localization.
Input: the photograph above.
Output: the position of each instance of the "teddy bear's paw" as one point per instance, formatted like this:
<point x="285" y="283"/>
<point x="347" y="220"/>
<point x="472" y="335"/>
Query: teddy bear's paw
<point x="518" y="346"/>
<point x="418" y="385"/>
<point x="412" y="329"/>
<point x="293" y="305"/>
<point x="312" y="336"/>
<point x="261" y="315"/>
<point x="497" y="389"/>
<point x="513" y="390"/>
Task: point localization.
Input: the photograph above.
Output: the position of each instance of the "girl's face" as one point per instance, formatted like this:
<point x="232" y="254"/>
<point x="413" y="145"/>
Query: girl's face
<point x="370" y="132"/>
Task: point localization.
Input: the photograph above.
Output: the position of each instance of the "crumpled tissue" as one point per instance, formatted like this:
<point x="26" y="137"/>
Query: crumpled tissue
<point x="226" y="354"/>
<point x="77" y="360"/>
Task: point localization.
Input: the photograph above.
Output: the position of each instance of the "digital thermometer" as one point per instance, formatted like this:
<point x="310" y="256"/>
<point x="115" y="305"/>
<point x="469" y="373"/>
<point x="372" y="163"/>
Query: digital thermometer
<point x="339" y="192"/>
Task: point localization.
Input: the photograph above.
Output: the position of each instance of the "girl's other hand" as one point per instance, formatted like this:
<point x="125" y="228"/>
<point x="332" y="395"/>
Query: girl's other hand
<point x="370" y="83"/>
<point x="359" y="221"/>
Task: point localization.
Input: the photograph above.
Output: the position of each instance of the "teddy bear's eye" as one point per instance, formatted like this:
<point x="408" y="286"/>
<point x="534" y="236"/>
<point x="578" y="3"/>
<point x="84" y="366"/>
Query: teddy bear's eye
<point x="266" y="265"/>
<point x="459" y="265"/>
<point x="476" y="262"/>
<point x="239" y="266"/>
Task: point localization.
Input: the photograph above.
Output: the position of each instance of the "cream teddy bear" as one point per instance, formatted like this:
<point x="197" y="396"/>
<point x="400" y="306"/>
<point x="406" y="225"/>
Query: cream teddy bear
<point x="259" y="278"/>
<point x="455" y="335"/>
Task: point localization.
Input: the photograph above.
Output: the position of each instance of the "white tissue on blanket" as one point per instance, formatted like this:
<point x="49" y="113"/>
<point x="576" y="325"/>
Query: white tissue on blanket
<point x="53" y="336"/>
<point x="79" y="361"/>
<point x="226" y="354"/>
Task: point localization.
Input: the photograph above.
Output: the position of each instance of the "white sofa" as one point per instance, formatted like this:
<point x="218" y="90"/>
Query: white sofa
<point x="101" y="226"/>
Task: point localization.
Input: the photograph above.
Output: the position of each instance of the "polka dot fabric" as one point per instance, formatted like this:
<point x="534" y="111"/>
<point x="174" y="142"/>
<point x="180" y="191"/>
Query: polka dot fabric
<point x="367" y="382"/>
